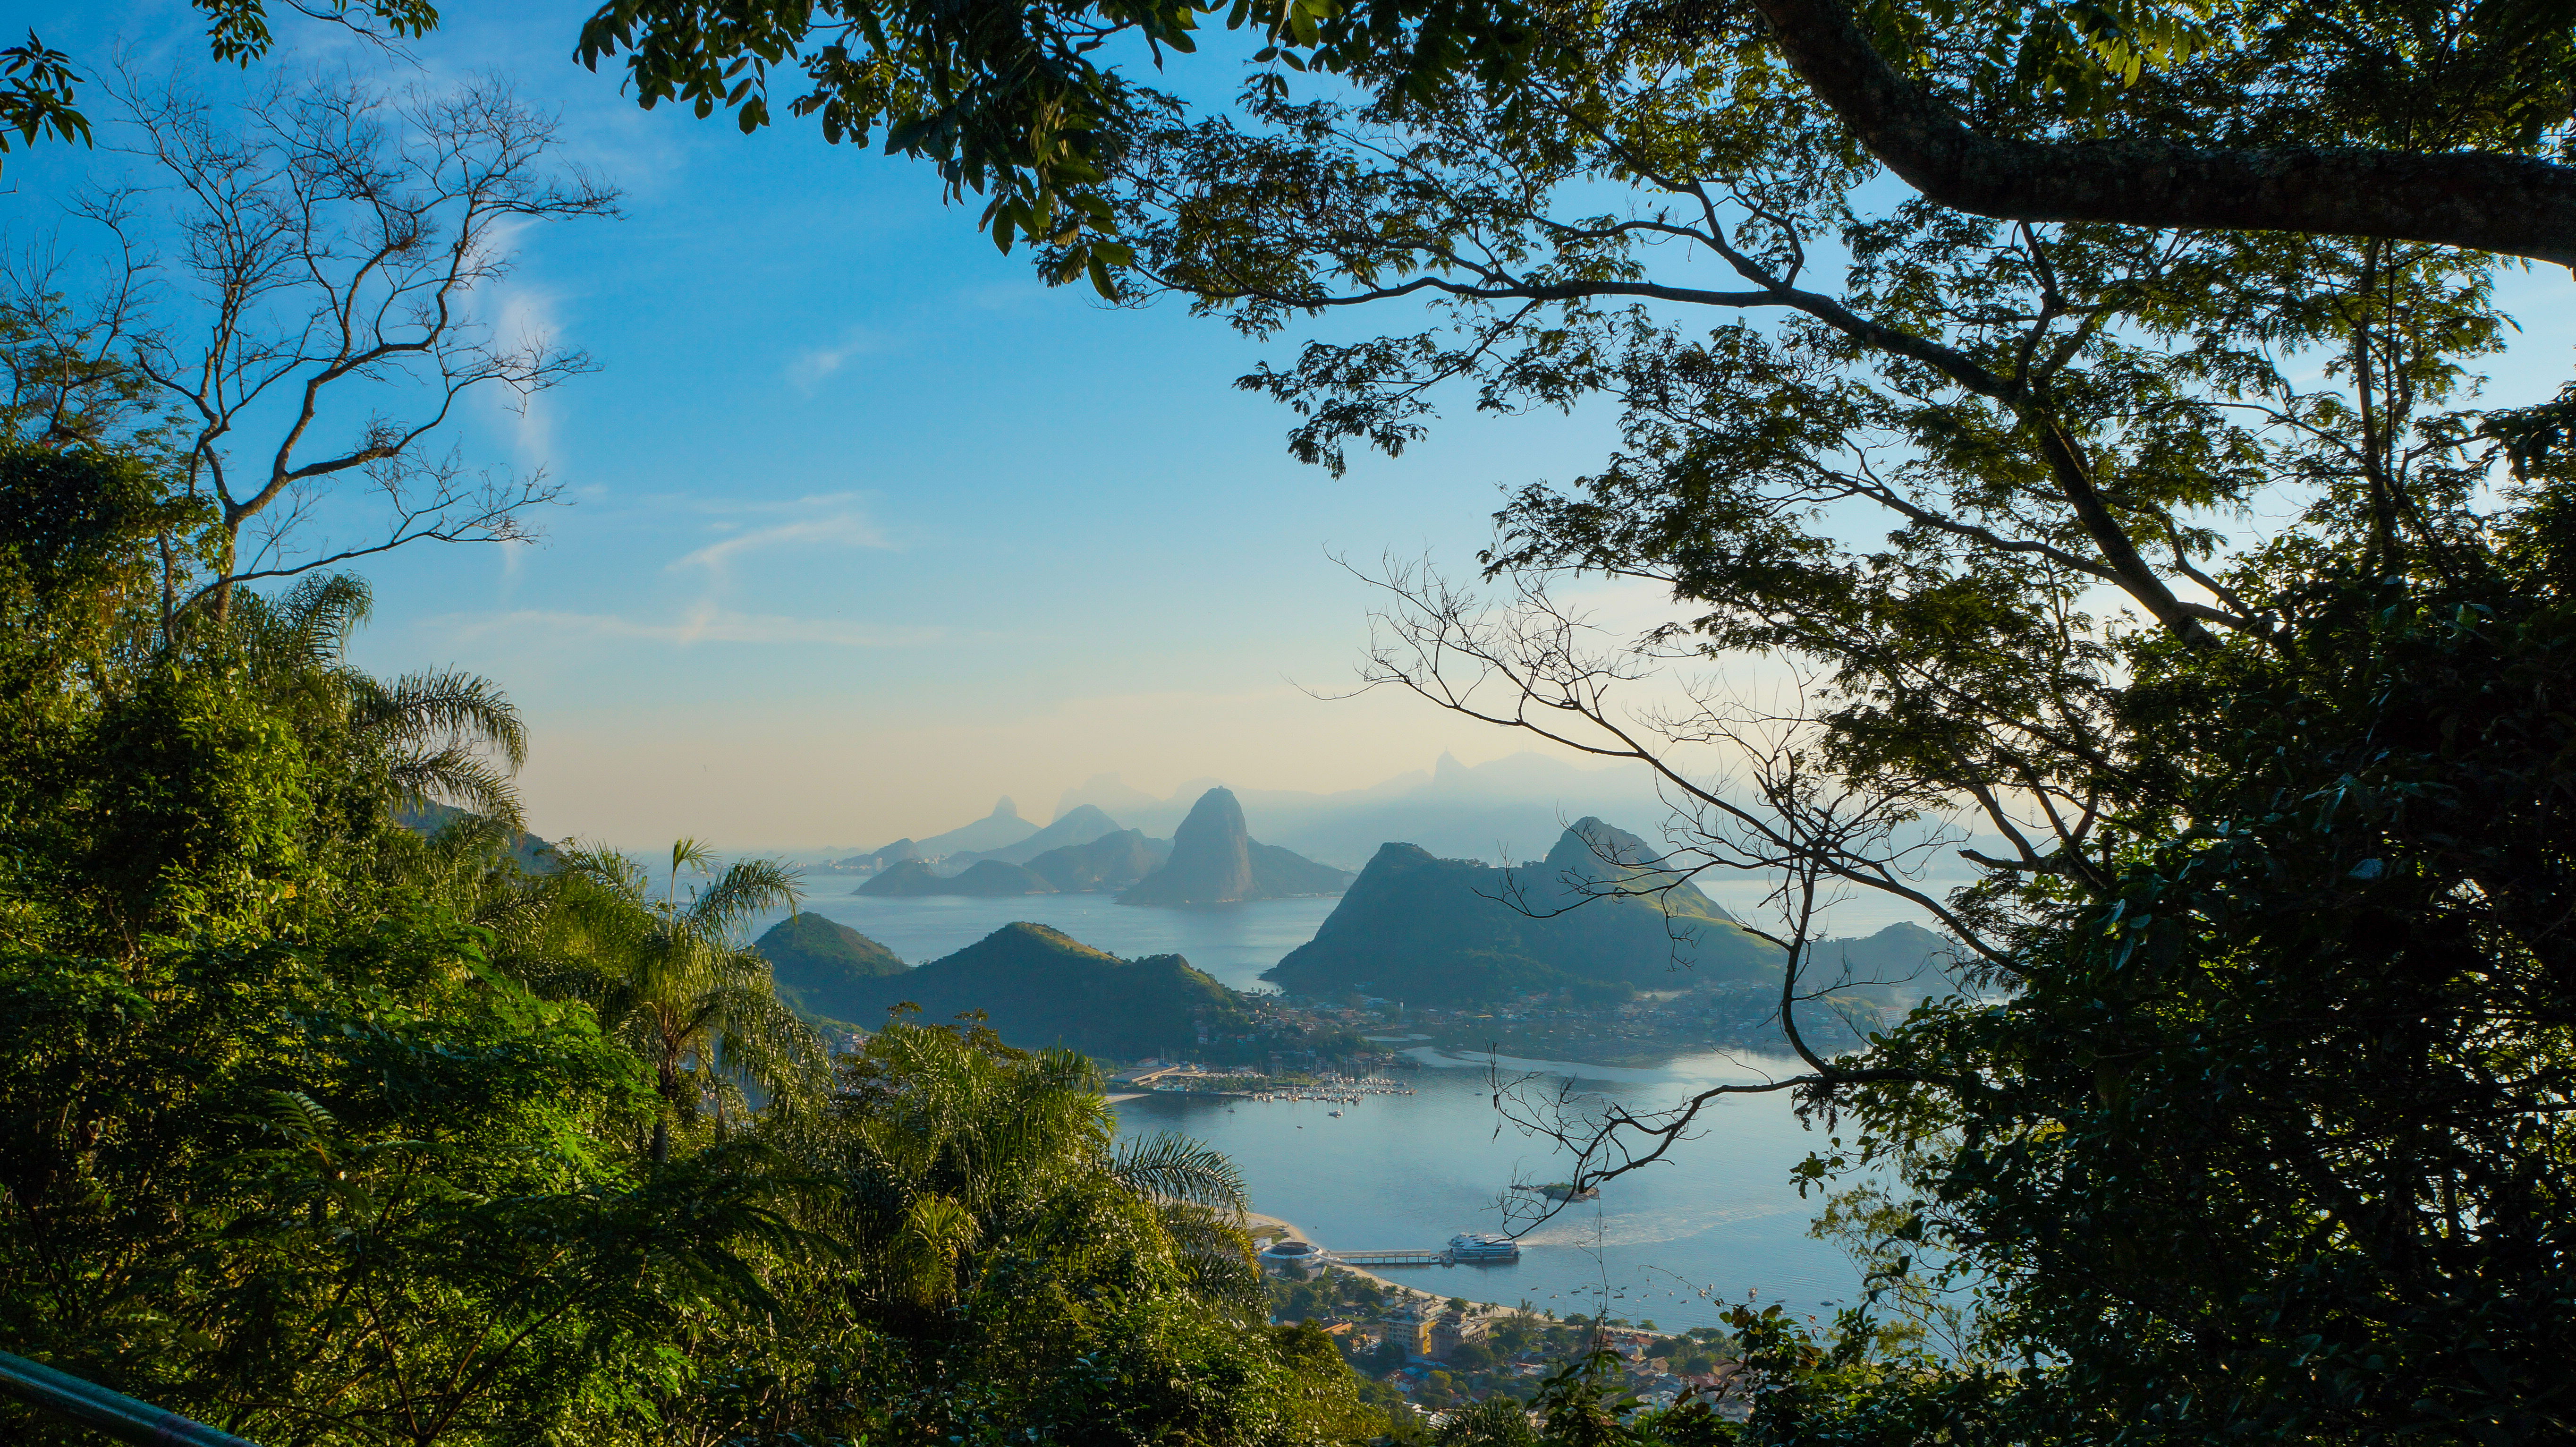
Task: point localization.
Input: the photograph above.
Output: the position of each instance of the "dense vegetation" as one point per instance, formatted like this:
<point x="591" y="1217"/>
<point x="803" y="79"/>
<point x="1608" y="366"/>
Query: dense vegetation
<point x="331" y="1133"/>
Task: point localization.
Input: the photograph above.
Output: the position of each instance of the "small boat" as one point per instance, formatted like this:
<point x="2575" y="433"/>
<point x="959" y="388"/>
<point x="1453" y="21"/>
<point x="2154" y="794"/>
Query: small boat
<point x="1483" y="1248"/>
<point x="1564" y="1191"/>
<point x="1334" y="1113"/>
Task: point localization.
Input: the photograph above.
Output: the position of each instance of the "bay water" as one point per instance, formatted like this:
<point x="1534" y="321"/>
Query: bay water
<point x="1715" y="1223"/>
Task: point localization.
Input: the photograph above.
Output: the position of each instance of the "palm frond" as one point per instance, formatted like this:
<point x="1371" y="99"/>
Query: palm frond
<point x="444" y="709"/>
<point x="459" y="777"/>
<point x="747" y="887"/>
<point x="319" y="614"/>
<point x="1172" y="1167"/>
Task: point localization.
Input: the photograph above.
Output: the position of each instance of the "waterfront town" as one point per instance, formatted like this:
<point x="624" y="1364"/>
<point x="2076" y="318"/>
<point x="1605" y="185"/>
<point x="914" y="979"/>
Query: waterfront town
<point x="1430" y="1355"/>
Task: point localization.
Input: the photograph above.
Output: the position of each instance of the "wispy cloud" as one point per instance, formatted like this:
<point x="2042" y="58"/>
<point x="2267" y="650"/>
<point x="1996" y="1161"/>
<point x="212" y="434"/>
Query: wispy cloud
<point x="526" y="316"/>
<point x="848" y="528"/>
<point x="704" y="623"/>
<point x="808" y="369"/>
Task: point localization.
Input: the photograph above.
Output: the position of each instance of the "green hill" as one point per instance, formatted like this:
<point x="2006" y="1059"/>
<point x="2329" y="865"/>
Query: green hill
<point x="994" y="879"/>
<point x="1040" y="987"/>
<point x="1899" y="965"/>
<point x="824" y="967"/>
<point x="1446" y="931"/>
<point x="904" y="880"/>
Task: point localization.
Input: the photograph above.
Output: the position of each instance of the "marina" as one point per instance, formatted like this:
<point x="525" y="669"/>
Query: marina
<point x="1236" y="1086"/>
<point x="1471" y="1248"/>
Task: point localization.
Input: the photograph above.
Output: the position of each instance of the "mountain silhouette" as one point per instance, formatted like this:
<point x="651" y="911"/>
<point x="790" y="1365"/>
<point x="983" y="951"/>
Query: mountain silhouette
<point x="1078" y="825"/>
<point x="1040" y="987"/>
<point x="989" y="879"/>
<point x="1215" y="860"/>
<point x="999" y="829"/>
<point x="1596" y="919"/>
<point x="1109" y="863"/>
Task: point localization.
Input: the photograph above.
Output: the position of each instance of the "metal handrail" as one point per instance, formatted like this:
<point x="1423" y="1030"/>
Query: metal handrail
<point x="114" y="1413"/>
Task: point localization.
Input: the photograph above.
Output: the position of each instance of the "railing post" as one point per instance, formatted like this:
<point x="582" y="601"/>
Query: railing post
<point x="114" y="1413"/>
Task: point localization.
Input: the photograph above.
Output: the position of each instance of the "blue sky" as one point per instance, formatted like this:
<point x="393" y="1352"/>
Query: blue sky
<point x="868" y="526"/>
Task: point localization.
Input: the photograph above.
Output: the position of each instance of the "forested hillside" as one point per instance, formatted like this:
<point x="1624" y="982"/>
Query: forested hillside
<point x="1593" y="918"/>
<point x="823" y="967"/>
<point x="1038" y="987"/>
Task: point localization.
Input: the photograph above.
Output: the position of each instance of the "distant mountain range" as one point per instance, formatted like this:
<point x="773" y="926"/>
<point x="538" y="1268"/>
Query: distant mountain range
<point x="1105" y="865"/>
<point x="1212" y="859"/>
<point x="997" y="830"/>
<point x="1498" y="811"/>
<point x="1076" y="826"/>
<point x="1039" y="987"/>
<point x="987" y="879"/>
<point x="1596" y="918"/>
<point x="1503" y="809"/>
<point x="1215" y="860"/>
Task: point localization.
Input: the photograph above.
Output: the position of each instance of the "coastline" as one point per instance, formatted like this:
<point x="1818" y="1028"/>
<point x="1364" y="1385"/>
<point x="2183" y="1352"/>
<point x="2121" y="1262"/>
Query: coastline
<point x="1258" y="1224"/>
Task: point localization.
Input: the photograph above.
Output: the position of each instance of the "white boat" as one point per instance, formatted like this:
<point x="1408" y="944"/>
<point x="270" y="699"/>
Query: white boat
<point x="1480" y="1247"/>
<point x="1333" y="1113"/>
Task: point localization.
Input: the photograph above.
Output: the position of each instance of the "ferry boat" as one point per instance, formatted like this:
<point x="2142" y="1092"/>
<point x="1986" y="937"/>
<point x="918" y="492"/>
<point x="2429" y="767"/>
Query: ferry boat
<point x="1483" y="1248"/>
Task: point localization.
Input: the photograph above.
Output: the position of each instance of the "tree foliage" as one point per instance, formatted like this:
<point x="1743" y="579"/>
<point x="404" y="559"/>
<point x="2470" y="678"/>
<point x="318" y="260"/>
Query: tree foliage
<point x="2438" y="122"/>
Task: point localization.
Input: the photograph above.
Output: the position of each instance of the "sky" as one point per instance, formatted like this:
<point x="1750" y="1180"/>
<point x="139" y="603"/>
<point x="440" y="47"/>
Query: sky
<point x="866" y="526"/>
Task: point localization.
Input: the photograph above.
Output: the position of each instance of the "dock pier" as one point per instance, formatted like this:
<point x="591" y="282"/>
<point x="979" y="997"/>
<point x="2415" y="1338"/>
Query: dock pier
<point x="1393" y="1258"/>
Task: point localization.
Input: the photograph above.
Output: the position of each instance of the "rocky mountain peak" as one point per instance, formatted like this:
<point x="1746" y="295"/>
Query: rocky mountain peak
<point x="1211" y="859"/>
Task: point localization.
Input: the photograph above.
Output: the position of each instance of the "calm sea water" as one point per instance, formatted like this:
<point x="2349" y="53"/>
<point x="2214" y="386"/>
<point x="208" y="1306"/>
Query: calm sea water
<point x="1675" y="1243"/>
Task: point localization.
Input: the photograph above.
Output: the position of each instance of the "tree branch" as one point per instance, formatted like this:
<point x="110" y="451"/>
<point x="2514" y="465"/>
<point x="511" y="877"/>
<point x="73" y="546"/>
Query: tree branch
<point x="2486" y="202"/>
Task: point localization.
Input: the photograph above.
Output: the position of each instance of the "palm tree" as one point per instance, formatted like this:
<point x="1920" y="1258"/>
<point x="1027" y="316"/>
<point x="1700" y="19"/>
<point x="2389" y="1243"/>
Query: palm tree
<point x="672" y="979"/>
<point x="433" y="737"/>
<point x="955" y="1152"/>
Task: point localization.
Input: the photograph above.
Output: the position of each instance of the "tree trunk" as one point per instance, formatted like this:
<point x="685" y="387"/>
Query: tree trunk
<point x="2486" y="202"/>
